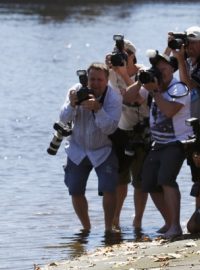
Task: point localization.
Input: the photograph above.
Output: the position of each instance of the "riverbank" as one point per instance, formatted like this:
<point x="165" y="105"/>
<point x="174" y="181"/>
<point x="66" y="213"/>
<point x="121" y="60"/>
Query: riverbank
<point x="181" y="253"/>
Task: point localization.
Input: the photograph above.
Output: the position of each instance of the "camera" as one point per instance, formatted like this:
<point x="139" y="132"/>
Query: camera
<point x="61" y="131"/>
<point x="147" y="76"/>
<point x="138" y="136"/>
<point x="179" y="40"/>
<point x="84" y="92"/>
<point x="194" y="123"/>
<point x="118" y="55"/>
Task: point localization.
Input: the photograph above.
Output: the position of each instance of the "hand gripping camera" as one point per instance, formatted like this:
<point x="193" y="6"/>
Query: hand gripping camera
<point x="61" y="131"/>
<point x="84" y="92"/>
<point x="118" y="55"/>
<point x="147" y="76"/>
<point x="178" y="40"/>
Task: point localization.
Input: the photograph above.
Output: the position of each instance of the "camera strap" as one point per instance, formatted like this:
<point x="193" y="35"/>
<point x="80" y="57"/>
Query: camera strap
<point x="179" y="95"/>
<point x="103" y="96"/>
<point x="101" y="100"/>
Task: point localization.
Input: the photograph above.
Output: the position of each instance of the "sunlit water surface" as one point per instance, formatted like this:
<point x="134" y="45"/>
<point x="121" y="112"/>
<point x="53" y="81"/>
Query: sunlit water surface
<point x="41" y="50"/>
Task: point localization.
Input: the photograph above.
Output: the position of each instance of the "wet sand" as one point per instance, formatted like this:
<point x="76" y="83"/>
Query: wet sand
<point x="180" y="253"/>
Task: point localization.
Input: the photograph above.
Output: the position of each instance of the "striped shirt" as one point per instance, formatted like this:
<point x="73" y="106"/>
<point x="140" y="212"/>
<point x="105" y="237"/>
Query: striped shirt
<point x="164" y="129"/>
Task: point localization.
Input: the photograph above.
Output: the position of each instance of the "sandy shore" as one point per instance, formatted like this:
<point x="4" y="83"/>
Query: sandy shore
<point x="181" y="253"/>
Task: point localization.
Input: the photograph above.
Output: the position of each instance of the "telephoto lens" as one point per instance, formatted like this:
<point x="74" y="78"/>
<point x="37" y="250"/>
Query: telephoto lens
<point x="61" y="131"/>
<point x="55" y="143"/>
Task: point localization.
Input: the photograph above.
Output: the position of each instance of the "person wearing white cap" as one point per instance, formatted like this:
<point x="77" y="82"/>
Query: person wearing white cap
<point x="189" y="70"/>
<point x="193" y="33"/>
<point x="130" y="154"/>
<point x="169" y="109"/>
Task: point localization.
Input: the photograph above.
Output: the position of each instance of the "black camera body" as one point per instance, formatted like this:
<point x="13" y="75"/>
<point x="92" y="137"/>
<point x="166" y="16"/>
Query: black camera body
<point x="138" y="136"/>
<point x="61" y="131"/>
<point x="147" y="76"/>
<point x="84" y="92"/>
<point x="179" y="40"/>
<point x="118" y="55"/>
<point x="195" y="139"/>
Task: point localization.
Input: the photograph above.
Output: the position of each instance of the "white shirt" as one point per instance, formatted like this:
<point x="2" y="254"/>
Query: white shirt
<point x="165" y="130"/>
<point x="131" y="115"/>
<point x="90" y="131"/>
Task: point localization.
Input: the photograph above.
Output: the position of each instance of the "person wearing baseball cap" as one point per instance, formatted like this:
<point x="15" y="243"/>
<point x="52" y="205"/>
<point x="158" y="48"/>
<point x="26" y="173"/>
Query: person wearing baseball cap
<point x="193" y="33"/>
<point x="193" y="79"/>
<point x="169" y="108"/>
<point x="155" y="57"/>
<point x="130" y="156"/>
<point x="188" y="57"/>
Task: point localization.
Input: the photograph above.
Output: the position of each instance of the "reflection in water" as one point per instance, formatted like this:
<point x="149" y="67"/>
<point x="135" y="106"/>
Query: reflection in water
<point x="112" y="238"/>
<point x="78" y="244"/>
<point x="73" y="246"/>
<point x="68" y="10"/>
<point x="47" y="10"/>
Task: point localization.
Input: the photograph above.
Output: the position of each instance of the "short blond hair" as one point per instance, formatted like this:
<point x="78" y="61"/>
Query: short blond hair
<point x="99" y="66"/>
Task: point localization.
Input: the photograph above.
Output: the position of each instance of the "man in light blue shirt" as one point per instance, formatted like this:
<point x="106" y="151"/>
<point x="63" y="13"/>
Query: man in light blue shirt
<point x="89" y="146"/>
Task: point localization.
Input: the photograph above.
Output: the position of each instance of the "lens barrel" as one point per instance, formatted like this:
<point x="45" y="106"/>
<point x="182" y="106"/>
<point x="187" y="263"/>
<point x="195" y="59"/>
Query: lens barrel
<point x="55" y="144"/>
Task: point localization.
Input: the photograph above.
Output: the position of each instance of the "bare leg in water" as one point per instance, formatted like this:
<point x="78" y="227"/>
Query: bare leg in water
<point x="120" y="197"/>
<point x="168" y="203"/>
<point x="109" y="206"/>
<point x="140" y="199"/>
<point x="80" y="205"/>
<point x="158" y="199"/>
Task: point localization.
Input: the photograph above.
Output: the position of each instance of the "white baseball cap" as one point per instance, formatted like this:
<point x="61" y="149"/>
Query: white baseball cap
<point x="128" y="45"/>
<point x="193" y="33"/>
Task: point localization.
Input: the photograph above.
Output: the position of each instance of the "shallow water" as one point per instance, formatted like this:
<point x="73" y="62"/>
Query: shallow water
<point x="41" y="49"/>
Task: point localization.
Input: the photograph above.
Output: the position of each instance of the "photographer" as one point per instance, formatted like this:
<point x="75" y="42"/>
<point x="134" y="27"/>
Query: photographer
<point x="128" y="140"/>
<point x="189" y="69"/>
<point x="169" y="109"/>
<point x="88" y="146"/>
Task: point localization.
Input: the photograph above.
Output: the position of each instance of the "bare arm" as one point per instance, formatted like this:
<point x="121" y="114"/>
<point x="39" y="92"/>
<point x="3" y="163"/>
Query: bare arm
<point x="168" y="108"/>
<point x="123" y="72"/>
<point x="183" y="72"/>
<point x="132" y="94"/>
